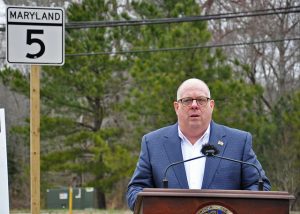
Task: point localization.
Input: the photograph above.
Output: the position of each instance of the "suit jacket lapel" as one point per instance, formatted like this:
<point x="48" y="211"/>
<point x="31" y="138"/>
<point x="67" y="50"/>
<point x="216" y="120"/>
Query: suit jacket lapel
<point x="172" y="145"/>
<point x="217" y="139"/>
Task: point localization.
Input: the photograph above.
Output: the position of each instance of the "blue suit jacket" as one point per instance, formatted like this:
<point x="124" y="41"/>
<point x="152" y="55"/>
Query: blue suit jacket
<point x="162" y="147"/>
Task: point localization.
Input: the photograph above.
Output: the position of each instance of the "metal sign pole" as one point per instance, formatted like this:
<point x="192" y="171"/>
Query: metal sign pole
<point x="35" y="138"/>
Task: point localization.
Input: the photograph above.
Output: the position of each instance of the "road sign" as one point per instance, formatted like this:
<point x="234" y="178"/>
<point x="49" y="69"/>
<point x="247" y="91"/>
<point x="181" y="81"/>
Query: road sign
<point x="35" y="35"/>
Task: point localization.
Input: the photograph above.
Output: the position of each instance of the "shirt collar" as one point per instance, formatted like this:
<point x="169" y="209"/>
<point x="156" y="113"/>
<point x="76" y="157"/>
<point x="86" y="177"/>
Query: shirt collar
<point x="203" y="137"/>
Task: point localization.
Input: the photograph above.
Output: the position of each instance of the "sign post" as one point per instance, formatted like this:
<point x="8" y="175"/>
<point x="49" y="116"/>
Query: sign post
<point x="4" y="198"/>
<point x="35" y="35"/>
<point x="35" y="138"/>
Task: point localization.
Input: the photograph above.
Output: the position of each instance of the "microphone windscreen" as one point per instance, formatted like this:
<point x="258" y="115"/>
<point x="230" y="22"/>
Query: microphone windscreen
<point x="208" y="149"/>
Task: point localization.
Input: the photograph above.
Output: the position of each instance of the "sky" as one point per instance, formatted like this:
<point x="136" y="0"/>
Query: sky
<point x="2" y="12"/>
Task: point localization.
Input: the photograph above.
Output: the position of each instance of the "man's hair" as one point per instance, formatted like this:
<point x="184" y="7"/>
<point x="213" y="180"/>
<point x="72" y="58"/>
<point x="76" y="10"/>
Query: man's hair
<point x="189" y="81"/>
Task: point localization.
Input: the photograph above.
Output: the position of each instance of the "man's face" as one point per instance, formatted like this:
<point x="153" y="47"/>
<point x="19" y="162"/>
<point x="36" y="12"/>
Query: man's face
<point x="194" y="109"/>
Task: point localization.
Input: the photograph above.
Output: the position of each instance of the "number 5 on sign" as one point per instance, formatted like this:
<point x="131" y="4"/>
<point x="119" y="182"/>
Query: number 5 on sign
<point x="35" y="35"/>
<point x="30" y="40"/>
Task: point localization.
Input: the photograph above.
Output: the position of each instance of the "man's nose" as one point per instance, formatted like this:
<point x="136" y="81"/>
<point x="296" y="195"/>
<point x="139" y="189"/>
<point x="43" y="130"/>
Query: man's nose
<point x="194" y="104"/>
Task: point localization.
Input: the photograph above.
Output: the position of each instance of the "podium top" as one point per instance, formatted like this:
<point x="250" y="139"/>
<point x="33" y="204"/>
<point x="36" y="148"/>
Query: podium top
<point x="160" y="192"/>
<point x="209" y="193"/>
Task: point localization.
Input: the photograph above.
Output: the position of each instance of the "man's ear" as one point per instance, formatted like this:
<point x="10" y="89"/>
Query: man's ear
<point x="176" y="105"/>
<point x="212" y="104"/>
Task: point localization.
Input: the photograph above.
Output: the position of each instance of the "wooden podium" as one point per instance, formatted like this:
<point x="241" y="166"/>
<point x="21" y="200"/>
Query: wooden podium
<point x="190" y="201"/>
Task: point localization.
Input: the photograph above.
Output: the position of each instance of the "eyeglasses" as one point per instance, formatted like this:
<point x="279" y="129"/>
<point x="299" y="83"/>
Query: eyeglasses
<point x="188" y="101"/>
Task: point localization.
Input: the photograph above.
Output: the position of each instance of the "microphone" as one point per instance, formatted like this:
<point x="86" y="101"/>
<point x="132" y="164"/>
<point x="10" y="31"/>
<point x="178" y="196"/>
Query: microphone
<point x="165" y="180"/>
<point x="211" y="151"/>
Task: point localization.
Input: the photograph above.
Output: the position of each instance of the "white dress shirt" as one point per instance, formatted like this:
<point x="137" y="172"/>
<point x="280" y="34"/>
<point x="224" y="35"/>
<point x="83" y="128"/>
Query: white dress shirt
<point x="194" y="169"/>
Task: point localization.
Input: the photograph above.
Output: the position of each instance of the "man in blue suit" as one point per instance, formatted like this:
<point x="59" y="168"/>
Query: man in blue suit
<point x="184" y="140"/>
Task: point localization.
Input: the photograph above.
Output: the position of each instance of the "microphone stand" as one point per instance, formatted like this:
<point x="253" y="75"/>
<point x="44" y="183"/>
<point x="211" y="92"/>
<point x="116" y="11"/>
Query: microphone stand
<point x="165" y="180"/>
<point x="260" y="181"/>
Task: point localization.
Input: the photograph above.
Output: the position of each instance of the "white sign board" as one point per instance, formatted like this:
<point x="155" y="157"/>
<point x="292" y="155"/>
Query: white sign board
<point x="4" y="197"/>
<point x="35" y="35"/>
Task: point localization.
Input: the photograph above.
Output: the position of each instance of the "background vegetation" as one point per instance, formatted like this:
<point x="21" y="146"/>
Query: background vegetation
<point x="96" y="107"/>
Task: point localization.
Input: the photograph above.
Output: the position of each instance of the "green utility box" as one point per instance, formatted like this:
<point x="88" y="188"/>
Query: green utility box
<point x="83" y="198"/>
